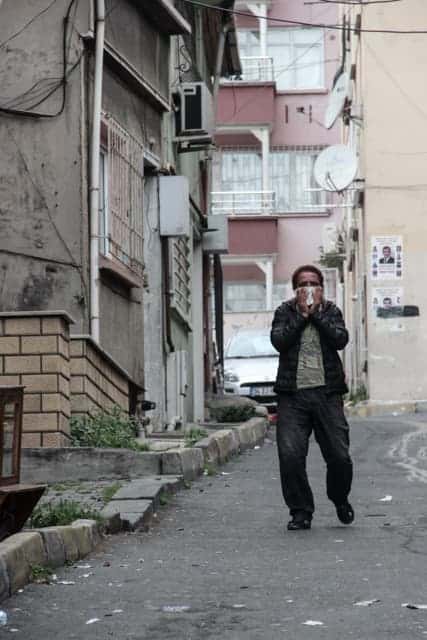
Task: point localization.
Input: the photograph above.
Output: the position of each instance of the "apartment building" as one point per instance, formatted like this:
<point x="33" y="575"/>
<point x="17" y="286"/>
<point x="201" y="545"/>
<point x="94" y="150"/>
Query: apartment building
<point x="269" y="133"/>
<point x="385" y="125"/>
<point x="104" y="207"/>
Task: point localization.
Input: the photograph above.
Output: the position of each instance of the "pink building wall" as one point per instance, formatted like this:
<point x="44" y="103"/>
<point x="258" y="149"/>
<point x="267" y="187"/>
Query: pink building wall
<point x="299" y="236"/>
<point x="246" y="104"/>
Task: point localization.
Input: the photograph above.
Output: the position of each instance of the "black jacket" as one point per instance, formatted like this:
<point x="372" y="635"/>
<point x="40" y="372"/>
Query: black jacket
<point x="286" y="331"/>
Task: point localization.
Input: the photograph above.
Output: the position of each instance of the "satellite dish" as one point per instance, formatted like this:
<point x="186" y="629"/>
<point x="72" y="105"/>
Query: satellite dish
<point x="337" y="99"/>
<point x="335" y="167"/>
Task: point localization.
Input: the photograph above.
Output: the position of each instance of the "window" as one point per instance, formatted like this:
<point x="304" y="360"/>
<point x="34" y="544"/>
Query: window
<point x="297" y="54"/>
<point x="121" y="195"/>
<point x="249" y="44"/>
<point x="180" y="253"/>
<point x="241" y="171"/>
<point x="240" y="297"/>
<point x="291" y="176"/>
<point x="297" y="57"/>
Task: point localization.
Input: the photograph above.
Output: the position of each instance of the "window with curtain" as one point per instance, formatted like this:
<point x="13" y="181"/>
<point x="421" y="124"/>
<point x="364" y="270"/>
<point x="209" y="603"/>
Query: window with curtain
<point x="298" y="55"/>
<point x="291" y="175"/>
<point x="241" y="171"/>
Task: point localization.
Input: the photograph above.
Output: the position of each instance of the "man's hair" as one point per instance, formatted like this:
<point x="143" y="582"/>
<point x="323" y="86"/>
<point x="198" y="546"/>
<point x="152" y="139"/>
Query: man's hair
<point x="306" y="267"/>
<point x="386" y="247"/>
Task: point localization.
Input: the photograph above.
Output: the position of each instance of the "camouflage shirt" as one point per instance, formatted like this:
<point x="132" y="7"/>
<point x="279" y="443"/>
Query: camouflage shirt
<point x="310" y="371"/>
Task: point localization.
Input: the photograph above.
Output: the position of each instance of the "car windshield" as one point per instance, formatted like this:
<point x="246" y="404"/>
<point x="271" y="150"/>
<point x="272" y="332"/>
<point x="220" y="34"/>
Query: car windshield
<point x="255" y="345"/>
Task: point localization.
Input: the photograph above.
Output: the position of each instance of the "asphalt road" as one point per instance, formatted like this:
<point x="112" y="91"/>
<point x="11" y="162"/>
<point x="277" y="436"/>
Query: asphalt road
<point x="218" y="563"/>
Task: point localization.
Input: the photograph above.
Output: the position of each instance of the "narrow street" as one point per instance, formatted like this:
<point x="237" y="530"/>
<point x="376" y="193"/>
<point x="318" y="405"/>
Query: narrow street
<point x="219" y="565"/>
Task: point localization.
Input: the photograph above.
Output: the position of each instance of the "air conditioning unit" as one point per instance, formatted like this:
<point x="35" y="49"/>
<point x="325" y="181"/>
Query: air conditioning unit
<point x="195" y="115"/>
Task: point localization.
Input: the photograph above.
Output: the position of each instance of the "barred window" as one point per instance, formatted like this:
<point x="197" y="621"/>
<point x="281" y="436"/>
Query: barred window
<point x="181" y="275"/>
<point x="121" y="195"/>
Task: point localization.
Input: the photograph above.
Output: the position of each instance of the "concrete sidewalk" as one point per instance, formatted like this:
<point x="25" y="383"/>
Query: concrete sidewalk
<point x="219" y="564"/>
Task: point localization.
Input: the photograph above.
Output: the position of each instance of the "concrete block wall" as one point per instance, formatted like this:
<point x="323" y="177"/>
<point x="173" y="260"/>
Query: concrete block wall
<point x="34" y="352"/>
<point x="63" y="375"/>
<point x="97" y="382"/>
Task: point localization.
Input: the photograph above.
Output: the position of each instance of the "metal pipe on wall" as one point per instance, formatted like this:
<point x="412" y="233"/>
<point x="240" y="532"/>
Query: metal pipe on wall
<point x="94" y="186"/>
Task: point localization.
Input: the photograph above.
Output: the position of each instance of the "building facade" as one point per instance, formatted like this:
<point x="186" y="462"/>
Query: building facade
<point x="385" y="229"/>
<point x="97" y="287"/>
<point x="269" y="133"/>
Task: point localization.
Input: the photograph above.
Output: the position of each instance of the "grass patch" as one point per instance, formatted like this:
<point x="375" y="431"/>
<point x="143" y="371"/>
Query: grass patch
<point x="61" y="513"/>
<point x="142" y="446"/>
<point x="358" y="395"/>
<point x="164" y="499"/>
<point x="108" y="492"/>
<point x="194" y="435"/>
<point x="209" y="469"/>
<point x="113" y="430"/>
<point x="40" y="575"/>
<point x="59" y="487"/>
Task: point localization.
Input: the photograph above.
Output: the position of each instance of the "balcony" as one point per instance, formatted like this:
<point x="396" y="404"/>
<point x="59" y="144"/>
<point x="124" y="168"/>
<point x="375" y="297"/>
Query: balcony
<point x="255" y="69"/>
<point x="243" y="203"/>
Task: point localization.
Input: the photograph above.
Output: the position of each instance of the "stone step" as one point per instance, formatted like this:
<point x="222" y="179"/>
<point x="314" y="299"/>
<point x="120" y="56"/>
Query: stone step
<point x="134" y="504"/>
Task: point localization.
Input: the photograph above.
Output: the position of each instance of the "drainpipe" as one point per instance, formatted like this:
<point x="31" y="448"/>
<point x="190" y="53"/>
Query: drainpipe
<point x="219" y="59"/>
<point x="95" y="146"/>
<point x="217" y="78"/>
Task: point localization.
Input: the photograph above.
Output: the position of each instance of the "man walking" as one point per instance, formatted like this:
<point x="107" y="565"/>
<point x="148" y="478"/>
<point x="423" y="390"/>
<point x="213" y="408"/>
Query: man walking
<point x="308" y="331"/>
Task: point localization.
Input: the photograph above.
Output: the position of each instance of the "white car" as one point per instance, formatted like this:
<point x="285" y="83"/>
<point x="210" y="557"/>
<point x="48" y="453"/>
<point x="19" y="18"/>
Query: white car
<point x="250" y="366"/>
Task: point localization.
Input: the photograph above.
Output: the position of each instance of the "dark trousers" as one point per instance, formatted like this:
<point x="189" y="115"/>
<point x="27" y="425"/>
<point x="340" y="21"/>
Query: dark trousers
<point x="299" y="414"/>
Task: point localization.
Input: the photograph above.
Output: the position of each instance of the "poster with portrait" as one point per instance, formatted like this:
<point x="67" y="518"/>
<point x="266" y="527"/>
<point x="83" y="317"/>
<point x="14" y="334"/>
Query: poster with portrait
<point x="386" y="257"/>
<point x="386" y="298"/>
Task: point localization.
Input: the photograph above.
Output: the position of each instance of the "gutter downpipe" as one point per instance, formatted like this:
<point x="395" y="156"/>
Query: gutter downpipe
<point x="219" y="59"/>
<point x="95" y="147"/>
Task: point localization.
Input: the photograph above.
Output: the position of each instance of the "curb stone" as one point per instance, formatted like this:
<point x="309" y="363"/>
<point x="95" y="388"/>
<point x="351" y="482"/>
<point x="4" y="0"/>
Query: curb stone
<point x="367" y="409"/>
<point x="49" y="547"/>
<point x="131" y="514"/>
<point x="187" y="463"/>
<point x="221" y="445"/>
<point x="53" y="546"/>
<point x="134" y="504"/>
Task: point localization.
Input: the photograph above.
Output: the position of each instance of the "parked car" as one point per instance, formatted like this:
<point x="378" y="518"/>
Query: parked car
<point x="250" y="366"/>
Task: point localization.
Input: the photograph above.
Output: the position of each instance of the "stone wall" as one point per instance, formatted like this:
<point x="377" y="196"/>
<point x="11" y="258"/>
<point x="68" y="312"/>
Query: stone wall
<point x="63" y="375"/>
<point x="34" y="352"/>
<point x="96" y="380"/>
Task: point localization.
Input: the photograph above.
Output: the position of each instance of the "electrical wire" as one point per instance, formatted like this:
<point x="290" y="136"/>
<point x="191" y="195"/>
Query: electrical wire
<point x="27" y="24"/>
<point x="289" y="67"/>
<point x="354" y="3"/>
<point x="29" y="112"/>
<point x="300" y="23"/>
<point x="409" y="99"/>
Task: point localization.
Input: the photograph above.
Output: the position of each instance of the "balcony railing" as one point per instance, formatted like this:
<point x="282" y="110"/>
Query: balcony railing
<point x="255" y="69"/>
<point x="243" y="202"/>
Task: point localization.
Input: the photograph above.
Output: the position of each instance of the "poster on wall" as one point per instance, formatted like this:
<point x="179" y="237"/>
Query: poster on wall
<point x="386" y="298"/>
<point x="386" y="257"/>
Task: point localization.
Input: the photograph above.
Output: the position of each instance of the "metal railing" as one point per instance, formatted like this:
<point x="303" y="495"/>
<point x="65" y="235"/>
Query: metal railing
<point x="255" y="69"/>
<point x="124" y="215"/>
<point x="243" y="202"/>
